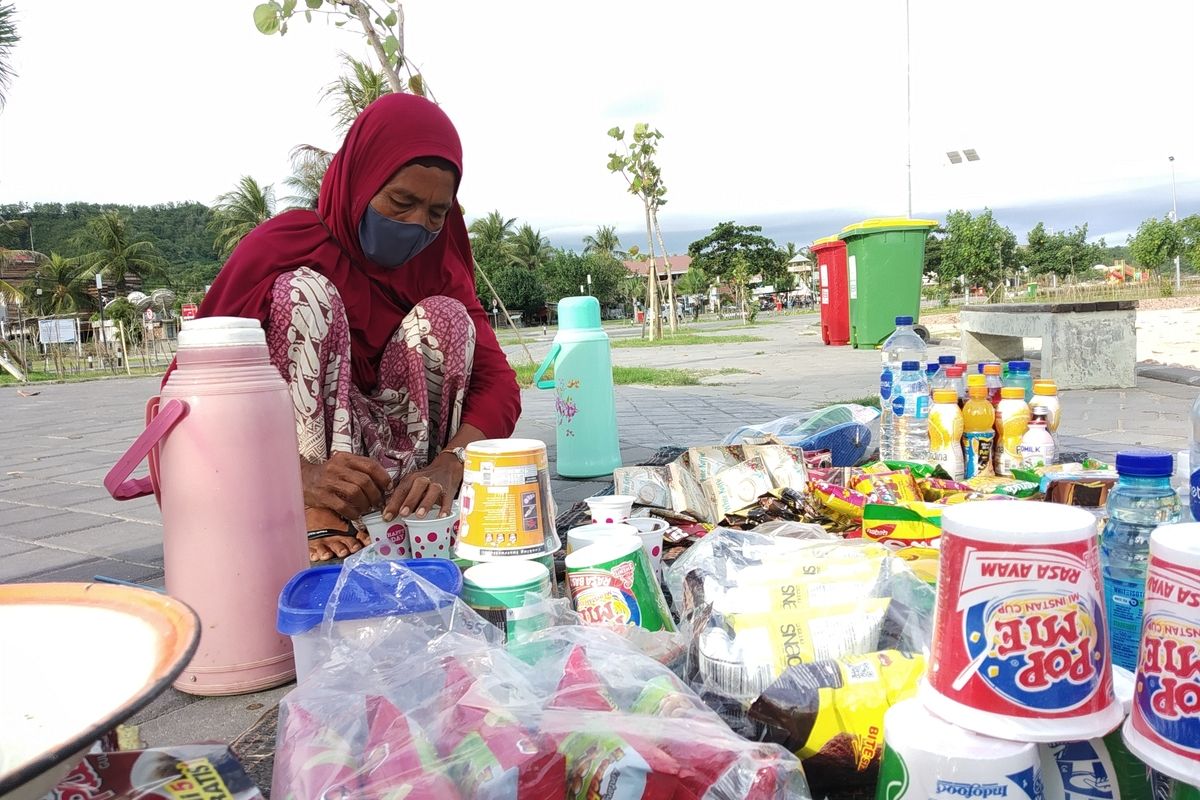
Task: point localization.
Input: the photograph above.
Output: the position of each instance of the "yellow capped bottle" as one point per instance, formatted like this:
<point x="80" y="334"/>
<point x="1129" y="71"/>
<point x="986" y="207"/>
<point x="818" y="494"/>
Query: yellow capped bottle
<point x="946" y="432"/>
<point x="1012" y="421"/>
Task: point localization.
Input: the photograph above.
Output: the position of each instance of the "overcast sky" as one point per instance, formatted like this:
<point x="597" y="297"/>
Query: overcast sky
<point x="786" y="114"/>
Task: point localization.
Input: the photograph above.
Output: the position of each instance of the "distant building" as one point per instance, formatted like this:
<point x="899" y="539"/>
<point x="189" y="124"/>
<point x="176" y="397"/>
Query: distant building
<point x="679" y="266"/>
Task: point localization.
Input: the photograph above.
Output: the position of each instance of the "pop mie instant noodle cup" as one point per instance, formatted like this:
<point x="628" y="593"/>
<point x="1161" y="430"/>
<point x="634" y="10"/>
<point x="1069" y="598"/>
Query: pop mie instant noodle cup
<point x="611" y="583"/>
<point x="1020" y="644"/>
<point x="1163" y="728"/>
<point x="506" y="509"/>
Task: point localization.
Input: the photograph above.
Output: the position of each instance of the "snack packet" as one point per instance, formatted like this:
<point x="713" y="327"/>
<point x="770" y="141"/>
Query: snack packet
<point x="399" y="761"/>
<point x="840" y="503"/>
<point x="935" y="489"/>
<point x="650" y="485"/>
<point x="204" y="771"/>
<point x="830" y="713"/>
<point x="312" y="760"/>
<point x="904" y="525"/>
<point x="738" y="486"/>
<point x="888" y="487"/>
<point x="785" y="465"/>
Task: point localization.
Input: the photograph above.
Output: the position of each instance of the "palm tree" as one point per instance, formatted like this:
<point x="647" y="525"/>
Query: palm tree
<point x="491" y="237"/>
<point x="605" y="241"/>
<point x="240" y="211"/>
<point x="309" y="164"/>
<point x="529" y="249"/>
<point x="114" y="252"/>
<point x="8" y="40"/>
<point x="59" y="286"/>
<point x="353" y="92"/>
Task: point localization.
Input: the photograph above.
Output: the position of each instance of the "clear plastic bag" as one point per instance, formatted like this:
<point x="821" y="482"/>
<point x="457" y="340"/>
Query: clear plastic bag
<point x="848" y="430"/>
<point x="803" y="642"/>
<point x="433" y="706"/>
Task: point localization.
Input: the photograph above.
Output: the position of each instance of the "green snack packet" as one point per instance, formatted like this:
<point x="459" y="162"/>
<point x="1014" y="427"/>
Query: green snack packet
<point x="1018" y="489"/>
<point x="664" y="697"/>
<point x="1028" y="475"/>
<point x="919" y="469"/>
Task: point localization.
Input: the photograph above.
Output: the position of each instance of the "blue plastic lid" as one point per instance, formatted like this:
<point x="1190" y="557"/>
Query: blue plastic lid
<point x="1018" y="366"/>
<point x="946" y="360"/>
<point x="1146" y="463"/>
<point x="904" y="321"/>
<point x="910" y="366"/>
<point x="932" y="367"/>
<point x="302" y="601"/>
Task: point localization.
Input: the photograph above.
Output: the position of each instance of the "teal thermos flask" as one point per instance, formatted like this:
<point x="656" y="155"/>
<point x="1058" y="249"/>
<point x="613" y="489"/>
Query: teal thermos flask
<point x="583" y="391"/>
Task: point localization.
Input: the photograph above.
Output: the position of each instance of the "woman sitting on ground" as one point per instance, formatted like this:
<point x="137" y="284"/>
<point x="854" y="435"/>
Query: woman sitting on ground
<point x="371" y="316"/>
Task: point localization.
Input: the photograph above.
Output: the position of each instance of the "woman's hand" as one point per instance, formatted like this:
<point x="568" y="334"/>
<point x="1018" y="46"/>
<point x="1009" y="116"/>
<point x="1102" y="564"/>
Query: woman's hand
<point x="422" y="489"/>
<point x="346" y="484"/>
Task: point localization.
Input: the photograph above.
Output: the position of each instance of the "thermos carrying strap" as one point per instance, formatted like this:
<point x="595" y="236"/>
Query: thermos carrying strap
<point x="158" y="425"/>
<point x="537" y="376"/>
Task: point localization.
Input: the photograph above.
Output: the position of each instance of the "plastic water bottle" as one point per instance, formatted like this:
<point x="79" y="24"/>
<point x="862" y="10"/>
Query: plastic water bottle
<point x="903" y="345"/>
<point x="1141" y="501"/>
<point x="1018" y="375"/>
<point x="910" y="414"/>
<point x="1194" y="465"/>
<point x="941" y="378"/>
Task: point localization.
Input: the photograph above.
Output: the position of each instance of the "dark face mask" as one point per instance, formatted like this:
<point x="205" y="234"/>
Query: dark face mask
<point x="390" y="243"/>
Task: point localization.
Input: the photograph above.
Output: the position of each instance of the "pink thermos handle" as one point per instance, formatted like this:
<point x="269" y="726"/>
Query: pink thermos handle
<point x="117" y="481"/>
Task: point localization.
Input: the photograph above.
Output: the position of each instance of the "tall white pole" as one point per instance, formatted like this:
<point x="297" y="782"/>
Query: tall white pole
<point x="908" y="99"/>
<point x="1174" y="217"/>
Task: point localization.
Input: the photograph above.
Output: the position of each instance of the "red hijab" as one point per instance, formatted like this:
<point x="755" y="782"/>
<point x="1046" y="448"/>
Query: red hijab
<point x="391" y="132"/>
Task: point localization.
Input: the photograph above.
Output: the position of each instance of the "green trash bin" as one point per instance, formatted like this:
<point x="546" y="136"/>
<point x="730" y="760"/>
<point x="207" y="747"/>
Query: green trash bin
<point x="885" y="260"/>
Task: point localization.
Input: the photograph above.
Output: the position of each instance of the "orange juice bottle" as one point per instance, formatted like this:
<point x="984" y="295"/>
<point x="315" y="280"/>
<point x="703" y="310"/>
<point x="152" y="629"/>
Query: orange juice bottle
<point x="1012" y="421"/>
<point x="979" y="432"/>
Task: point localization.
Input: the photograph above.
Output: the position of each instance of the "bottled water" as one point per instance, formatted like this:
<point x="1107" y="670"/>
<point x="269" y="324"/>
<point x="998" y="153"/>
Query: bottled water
<point x="1142" y="500"/>
<point x="910" y="414"/>
<point x="941" y="378"/>
<point x="903" y="345"/>
<point x="1194" y="462"/>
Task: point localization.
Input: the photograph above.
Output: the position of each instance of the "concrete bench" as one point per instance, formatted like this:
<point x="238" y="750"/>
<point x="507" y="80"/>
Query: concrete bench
<point x="1084" y="345"/>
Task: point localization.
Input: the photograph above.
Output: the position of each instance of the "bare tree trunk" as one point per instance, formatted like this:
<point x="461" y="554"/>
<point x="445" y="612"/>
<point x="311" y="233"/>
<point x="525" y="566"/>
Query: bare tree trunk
<point x="656" y="319"/>
<point x="511" y="324"/>
<point x="670" y="280"/>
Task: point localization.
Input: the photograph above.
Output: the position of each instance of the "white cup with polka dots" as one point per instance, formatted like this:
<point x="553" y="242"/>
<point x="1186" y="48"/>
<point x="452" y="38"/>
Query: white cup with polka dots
<point x="411" y="537"/>
<point x="651" y="530"/>
<point x="610" y="509"/>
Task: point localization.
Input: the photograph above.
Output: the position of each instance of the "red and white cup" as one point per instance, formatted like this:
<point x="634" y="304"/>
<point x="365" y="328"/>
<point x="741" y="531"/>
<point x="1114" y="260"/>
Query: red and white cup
<point x="1020" y="642"/>
<point x="610" y="509"/>
<point x="1163" y="728"/>
<point x="390" y="539"/>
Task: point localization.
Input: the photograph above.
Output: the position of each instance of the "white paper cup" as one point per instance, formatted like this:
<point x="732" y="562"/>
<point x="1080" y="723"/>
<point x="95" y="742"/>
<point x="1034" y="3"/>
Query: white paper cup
<point x="651" y="532"/>
<point x="610" y="509"/>
<point x="925" y="757"/>
<point x="433" y="537"/>
<point x="390" y="539"/>
<point x="585" y="535"/>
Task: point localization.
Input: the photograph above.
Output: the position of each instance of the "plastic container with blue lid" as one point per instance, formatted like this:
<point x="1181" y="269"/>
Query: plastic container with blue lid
<point x="372" y="592"/>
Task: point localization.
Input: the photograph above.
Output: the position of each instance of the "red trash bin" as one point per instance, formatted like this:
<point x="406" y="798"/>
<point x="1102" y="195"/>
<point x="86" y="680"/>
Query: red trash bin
<point x="830" y="254"/>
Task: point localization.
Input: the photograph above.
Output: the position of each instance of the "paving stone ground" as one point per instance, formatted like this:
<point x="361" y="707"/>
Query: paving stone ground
<point x="57" y="523"/>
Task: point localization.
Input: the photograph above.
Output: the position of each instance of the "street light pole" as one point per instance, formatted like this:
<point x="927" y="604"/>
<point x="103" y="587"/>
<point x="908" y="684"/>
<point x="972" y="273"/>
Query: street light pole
<point x="908" y="100"/>
<point x="100" y="349"/>
<point x="1174" y="218"/>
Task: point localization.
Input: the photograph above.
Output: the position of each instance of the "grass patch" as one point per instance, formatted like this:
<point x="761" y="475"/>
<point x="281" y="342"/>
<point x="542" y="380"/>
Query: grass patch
<point x="870" y="401"/>
<point x="625" y="376"/>
<point x="73" y="377"/>
<point x="687" y="339"/>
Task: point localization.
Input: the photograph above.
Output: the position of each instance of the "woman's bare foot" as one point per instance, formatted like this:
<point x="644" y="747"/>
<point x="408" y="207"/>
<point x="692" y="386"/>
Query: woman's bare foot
<point x="330" y="547"/>
<point x="327" y="548"/>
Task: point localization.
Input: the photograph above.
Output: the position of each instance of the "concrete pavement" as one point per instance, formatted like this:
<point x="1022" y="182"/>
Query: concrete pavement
<point x="58" y="523"/>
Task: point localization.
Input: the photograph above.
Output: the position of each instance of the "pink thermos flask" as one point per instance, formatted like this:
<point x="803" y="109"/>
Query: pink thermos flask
<point x="221" y="440"/>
